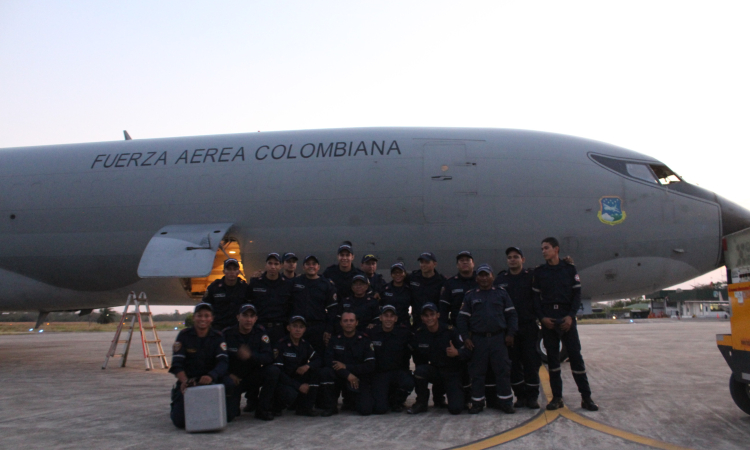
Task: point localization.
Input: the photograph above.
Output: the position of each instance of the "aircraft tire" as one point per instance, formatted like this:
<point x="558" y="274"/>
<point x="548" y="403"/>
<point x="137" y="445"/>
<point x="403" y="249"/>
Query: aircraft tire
<point x="543" y="351"/>
<point x="740" y="394"/>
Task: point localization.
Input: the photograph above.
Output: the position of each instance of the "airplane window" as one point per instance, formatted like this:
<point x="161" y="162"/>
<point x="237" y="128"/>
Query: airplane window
<point x="665" y="174"/>
<point x="640" y="171"/>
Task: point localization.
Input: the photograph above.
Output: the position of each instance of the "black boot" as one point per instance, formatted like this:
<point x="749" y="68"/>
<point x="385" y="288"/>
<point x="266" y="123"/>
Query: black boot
<point x="417" y="408"/>
<point x="476" y="407"/>
<point x="588" y="403"/>
<point x="555" y="403"/>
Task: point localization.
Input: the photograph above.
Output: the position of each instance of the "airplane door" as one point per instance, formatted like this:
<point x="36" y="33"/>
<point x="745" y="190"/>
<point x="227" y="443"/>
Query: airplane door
<point x="183" y="251"/>
<point x="448" y="182"/>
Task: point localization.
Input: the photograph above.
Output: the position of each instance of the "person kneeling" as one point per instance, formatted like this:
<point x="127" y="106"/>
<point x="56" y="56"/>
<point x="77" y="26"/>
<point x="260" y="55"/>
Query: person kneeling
<point x="300" y="371"/>
<point x="348" y="365"/>
<point x="392" y="381"/>
<point x="199" y="358"/>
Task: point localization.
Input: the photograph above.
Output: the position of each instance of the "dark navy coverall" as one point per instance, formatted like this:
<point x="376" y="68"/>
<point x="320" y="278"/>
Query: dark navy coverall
<point x="357" y="354"/>
<point x="315" y="300"/>
<point x="272" y="299"/>
<point x="392" y="381"/>
<point x="226" y="301"/>
<point x="289" y="358"/>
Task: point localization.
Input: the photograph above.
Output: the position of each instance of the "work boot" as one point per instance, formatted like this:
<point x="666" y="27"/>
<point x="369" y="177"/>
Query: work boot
<point x="476" y="407"/>
<point x="417" y="408"/>
<point x="307" y="412"/>
<point x="263" y="415"/>
<point x="397" y="408"/>
<point x="520" y="402"/>
<point x="278" y="412"/>
<point x="439" y="402"/>
<point x="329" y="412"/>
<point x="555" y="403"/>
<point x="250" y="407"/>
<point x="588" y="403"/>
<point x="507" y="408"/>
<point x="532" y="403"/>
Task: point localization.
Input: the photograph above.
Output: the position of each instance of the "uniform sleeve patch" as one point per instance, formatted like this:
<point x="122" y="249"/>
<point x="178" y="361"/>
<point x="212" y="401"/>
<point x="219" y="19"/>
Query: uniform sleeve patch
<point x="578" y="279"/>
<point x="177" y="346"/>
<point x="223" y="346"/>
<point x="266" y="339"/>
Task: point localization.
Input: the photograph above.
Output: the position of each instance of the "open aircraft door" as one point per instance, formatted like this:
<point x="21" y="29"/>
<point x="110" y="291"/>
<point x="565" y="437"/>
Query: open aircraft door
<point x="182" y="251"/>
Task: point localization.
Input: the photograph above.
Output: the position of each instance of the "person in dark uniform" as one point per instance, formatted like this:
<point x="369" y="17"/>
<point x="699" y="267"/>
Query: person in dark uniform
<point x="199" y="358"/>
<point x="425" y="285"/>
<point x="370" y="266"/>
<point x="455" y="287"/>
<point x="300" y="364"/>
<point x="397" y="293"/>
<point x="364" y="305"/>
<point x="439" y="356"/>
<point x="557" y="297"/>
<point x="392" y="381"/>
<point x="314" y="298"/>
<point x="271" y="294"/>
<point x="452" y="297"/>
<point x="342" y="273"/>
<point x="226" y="295"/>
<point x="251" y="364"/>
<point x="525" y="360"/>
<point x="289" y="263"/>
<point x="347" y="367"/>
<point x="487" y="322"/>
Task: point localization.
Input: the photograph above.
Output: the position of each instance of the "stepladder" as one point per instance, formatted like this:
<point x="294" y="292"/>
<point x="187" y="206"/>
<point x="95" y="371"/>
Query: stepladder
<point x="135" y="319"/>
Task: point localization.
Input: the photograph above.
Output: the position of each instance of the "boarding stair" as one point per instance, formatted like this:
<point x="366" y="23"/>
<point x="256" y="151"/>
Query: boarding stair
<point x="152" y="348"/>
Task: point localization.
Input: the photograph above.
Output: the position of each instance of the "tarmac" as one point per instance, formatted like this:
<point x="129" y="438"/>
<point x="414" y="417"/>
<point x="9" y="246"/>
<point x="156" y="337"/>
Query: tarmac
<point x="659" y="384"/>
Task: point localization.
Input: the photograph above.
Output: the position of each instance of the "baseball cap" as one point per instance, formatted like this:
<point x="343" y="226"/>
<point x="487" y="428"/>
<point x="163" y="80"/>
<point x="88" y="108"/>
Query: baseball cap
<point x="231" y="262"/>
<point x="246" y="307"/>
<point x="399" y="266"/>
<point x="297" y="319"/>
<point x="201" y="306"/>
<point x="428" y="256"/>
<point x="363" y="278"/>
<point x="289" y="255"/>
<point x="369" y="257"/>
<point x="345" y="246"/>
<point x="309" y="257"/>
<point x="430" y="306"/>
<point x="464" y="253"/>
<point x="274" y="256"/>
<point x="388" y="308"/>
<point x="485" y="268"/>
<point x="513" y="249"/>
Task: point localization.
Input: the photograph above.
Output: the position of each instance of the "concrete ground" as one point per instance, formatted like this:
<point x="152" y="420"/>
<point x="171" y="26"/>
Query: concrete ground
<point x="660" y="380"/>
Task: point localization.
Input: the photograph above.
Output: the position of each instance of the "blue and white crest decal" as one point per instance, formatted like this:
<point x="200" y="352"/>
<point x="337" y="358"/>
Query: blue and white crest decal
<point x="610" y="210"/>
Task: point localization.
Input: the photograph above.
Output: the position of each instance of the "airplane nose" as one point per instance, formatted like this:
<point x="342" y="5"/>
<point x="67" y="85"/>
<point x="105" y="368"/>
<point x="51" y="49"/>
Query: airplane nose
<point x="733" y="216"/>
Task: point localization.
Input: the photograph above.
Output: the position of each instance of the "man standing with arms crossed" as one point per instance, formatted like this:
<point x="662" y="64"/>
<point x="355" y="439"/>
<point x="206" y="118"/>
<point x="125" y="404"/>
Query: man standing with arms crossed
<point x="557" y="297"/>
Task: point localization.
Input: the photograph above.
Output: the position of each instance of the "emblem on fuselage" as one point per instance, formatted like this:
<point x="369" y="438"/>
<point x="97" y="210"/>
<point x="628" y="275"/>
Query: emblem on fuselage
<point x="610" y="210"/>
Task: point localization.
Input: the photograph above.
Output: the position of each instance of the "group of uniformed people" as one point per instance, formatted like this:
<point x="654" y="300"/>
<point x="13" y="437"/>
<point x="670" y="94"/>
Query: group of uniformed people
<point x="301" y="342"/>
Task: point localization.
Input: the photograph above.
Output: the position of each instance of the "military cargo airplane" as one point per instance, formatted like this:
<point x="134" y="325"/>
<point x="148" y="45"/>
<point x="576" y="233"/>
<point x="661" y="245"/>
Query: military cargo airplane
<point x="82" y="225"/>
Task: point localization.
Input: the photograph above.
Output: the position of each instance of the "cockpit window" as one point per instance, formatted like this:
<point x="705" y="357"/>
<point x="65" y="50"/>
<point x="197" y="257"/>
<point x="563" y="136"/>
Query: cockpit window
<point x="651" y="173"/>
<point x="665" y="174"/>
<point x="640" y="171"/>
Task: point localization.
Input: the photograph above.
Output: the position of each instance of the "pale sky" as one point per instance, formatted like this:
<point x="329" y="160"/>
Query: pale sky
<point x="669" y="79"/>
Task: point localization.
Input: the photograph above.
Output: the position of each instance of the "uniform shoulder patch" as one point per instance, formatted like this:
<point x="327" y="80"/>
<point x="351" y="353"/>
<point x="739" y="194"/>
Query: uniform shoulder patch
<point x="266" y="339"/>
<point x="578" y="279"/>
<point x="223" y="346"/>
<point x="176" y="346"/>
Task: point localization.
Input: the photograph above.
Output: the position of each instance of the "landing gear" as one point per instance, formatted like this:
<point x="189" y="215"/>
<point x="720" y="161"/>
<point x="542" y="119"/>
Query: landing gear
<point x="740" y="394"/>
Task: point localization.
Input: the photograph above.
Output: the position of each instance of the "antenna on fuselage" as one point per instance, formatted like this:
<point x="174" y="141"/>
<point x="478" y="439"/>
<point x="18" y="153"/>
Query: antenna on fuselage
<point x="127" y="135"/>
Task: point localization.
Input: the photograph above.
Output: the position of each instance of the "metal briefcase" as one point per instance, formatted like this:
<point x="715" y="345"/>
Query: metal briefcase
<point x="205" y="408"/>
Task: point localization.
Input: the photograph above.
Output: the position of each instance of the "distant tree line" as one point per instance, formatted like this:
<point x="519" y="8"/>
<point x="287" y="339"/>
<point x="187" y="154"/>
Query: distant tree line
<point x="104" y="315"/>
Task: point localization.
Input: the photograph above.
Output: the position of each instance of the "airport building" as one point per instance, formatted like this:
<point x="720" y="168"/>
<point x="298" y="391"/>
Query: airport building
<point x="698" y="303"/>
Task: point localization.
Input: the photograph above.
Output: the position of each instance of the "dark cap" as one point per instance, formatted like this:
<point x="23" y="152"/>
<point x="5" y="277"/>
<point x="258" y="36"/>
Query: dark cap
<point x="274" y="256"/>
<point x="309" y="257"/>
<point x="297" y="319"/>
<point x="362" y="278"/>
<point x="201" y="306"/>
<point x="427" y="256"/>
<point x="513" y="249"/>
<point x="346" y="247"/>
<point x="399" y="266"/>
<point x="485" y="268"/>
<point x="289" y="255"/>
<point x="430" y="306"/>
<point x="231" y="262"/>
<point x="388" y="308"/>
<point x="369" y="257"/>
<point x="464" y="253"/>
<point x="248" y="306"/>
